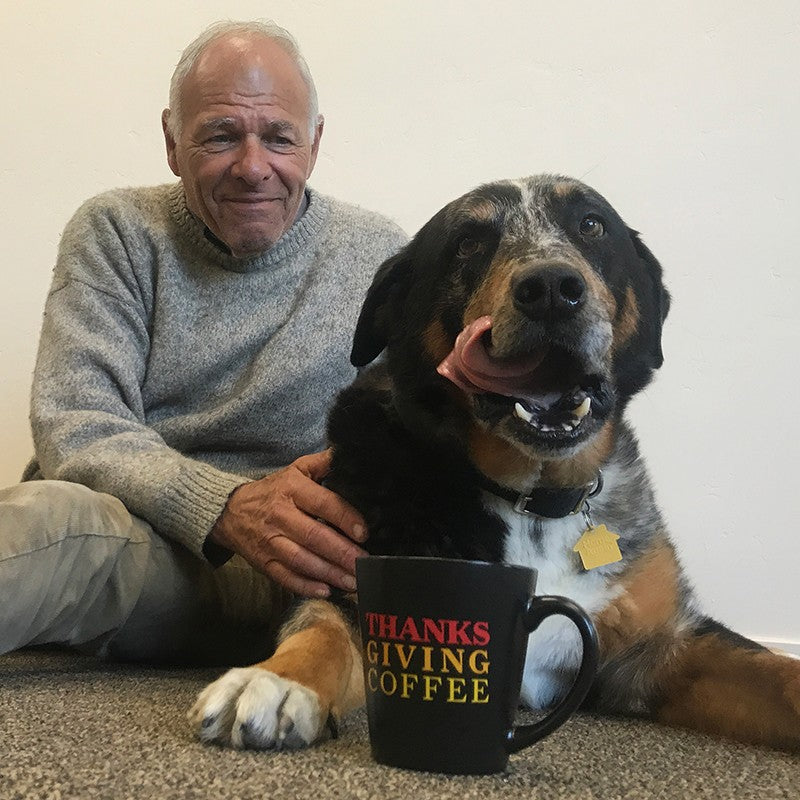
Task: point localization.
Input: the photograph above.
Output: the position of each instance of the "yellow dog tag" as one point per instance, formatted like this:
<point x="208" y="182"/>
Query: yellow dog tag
<point x="598" y="547"/>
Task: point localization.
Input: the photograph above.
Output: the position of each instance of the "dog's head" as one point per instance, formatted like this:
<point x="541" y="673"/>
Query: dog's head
<point x="527" y="308"/>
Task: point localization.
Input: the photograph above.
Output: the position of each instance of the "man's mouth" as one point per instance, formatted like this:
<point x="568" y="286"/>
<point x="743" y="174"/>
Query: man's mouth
<point x="547" y="389"/>
<point x="252" y="200"/>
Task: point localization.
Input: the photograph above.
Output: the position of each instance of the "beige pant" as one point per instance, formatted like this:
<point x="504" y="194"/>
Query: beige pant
<point x="77" y="569"/>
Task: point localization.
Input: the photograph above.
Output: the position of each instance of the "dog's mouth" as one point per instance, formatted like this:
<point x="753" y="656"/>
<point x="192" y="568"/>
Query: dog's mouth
<point x="547" y="389"/>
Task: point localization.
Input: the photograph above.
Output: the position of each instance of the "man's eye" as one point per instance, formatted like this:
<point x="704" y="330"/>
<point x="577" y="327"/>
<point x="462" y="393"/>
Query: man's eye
<point x="218" y="140"/>
<point x="280" y="141"/>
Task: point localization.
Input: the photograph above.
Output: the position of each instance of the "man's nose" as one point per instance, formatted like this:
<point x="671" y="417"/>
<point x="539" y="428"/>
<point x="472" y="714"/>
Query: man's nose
<point x="253" y="163"/>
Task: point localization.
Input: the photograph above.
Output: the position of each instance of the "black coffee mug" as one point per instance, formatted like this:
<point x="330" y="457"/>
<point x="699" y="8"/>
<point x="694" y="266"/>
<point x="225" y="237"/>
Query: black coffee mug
<point x="444" y="645"/>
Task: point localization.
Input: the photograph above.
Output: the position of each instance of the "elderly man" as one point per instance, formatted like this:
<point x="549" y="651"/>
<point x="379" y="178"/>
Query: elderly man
<point x="193" y="339"/>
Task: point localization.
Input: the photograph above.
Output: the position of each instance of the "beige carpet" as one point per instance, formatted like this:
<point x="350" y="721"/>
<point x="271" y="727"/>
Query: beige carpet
<point x="73" y="728"/>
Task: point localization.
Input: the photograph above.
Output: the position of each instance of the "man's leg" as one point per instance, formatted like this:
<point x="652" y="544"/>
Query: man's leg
<point x="76" y="568"/>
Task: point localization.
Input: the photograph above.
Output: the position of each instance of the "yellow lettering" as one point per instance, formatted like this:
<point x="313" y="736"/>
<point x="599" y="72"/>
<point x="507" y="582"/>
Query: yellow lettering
<point x="372" y="651"/>
<point x="372" y="679"/>
<point x="426" y="659"/>
<point x="389" y="686"/>
<point x="479" y="668"/>
<point x="407" y="685"/>
<point x="457" y="662"/>
<point x="404" y="659"/>
<point x="457" y="683"/>
<point x="410" y="682"/>
<point x="430" y="682"/>
<point x="480" y="690"/>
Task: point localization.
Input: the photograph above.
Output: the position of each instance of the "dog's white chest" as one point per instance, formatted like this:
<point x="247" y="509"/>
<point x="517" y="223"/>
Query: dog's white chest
<point x="554" y="649"/>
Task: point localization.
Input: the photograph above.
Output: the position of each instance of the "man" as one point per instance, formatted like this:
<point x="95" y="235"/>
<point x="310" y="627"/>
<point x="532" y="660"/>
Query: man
<point x="193" y="339"/>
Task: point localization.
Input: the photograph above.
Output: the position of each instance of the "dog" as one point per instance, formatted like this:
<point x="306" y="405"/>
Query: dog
<point x="501" y="348"/>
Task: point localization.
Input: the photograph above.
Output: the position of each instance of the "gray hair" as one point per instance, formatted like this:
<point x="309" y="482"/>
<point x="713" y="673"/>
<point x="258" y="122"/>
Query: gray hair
<point x="268" y="30"/>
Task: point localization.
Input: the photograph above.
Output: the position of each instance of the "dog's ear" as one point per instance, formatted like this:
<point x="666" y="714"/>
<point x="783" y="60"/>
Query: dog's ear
<point x="384" y="298"/>
<point x="658" y="295"/>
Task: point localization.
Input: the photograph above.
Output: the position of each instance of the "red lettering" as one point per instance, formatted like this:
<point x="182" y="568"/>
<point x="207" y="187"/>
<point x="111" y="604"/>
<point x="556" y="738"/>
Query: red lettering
<point x="438" y="631"/>
<point x="387" y="626"/>
<point x="457" y="632"/>
<point x="429" y="630"/>
<point x="371" y="618"/>
<point x="409" y="630"/>
<point x="480" y="633"/>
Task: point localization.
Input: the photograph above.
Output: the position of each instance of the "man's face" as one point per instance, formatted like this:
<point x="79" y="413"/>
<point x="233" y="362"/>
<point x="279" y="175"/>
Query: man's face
<point x="244" y="152"/>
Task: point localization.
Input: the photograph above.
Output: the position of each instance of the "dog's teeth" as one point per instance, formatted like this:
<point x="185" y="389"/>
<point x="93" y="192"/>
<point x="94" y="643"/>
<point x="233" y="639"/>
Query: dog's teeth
<point x="583" y="409"/>
<point x="522" y="413"/>
<point x="567" y="427"/>
<point x="547" y="428"/>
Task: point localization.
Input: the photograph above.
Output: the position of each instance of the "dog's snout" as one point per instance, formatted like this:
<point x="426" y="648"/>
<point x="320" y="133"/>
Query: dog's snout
<point x="549" y="293"/>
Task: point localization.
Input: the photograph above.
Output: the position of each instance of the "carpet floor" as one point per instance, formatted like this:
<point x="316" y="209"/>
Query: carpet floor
<point x="71" y="727"/>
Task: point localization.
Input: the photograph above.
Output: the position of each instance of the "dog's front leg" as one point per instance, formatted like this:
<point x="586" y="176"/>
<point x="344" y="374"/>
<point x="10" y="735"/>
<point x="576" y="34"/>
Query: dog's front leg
<point x="285" y="702"/>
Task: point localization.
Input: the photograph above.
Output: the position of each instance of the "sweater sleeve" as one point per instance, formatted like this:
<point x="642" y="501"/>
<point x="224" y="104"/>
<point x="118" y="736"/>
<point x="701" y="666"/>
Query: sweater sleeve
<point x="87" y="410"/>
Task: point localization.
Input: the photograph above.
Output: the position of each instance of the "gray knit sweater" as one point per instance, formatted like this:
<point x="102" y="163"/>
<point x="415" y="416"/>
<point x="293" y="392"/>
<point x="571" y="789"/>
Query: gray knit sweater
<point x="169" y="372"/>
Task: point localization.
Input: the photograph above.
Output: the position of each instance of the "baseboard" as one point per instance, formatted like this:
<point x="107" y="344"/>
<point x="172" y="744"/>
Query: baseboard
<point x="789" y="647"/>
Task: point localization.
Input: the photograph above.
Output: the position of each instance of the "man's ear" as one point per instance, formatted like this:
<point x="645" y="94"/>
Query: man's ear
<point x="381" y="307"/>
<point x="318" y="128"/>
<point x="169" y="140"/>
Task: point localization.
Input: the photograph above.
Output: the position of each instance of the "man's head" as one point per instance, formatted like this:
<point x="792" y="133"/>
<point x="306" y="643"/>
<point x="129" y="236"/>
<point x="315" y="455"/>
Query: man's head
<point x="243" y="132"/>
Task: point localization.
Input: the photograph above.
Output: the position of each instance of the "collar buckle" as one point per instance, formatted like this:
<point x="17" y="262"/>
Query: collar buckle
<point x="524" y="501"/>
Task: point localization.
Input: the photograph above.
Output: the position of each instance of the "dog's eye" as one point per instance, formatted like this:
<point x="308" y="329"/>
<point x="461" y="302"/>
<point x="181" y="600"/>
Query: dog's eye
<point x="468" y="247"/>
<point x="592" y="226"/>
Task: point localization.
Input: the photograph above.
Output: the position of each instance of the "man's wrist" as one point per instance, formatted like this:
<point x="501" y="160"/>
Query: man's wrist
<point x="216" y="547"/>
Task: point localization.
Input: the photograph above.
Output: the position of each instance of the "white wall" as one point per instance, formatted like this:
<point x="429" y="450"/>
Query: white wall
<point x="685" y="115"/>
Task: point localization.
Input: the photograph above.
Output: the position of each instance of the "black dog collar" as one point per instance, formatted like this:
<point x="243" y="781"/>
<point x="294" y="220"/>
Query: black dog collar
<point x="544" y="502"/>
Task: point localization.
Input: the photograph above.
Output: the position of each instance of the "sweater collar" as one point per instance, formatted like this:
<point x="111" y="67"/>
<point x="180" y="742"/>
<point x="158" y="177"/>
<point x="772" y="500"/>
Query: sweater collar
<point x="294" y="240"/>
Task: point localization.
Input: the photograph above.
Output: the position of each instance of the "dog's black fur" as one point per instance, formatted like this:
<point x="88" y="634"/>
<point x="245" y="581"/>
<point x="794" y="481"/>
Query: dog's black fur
<point x="400" y="453"/>
<point x="508" y="338"/>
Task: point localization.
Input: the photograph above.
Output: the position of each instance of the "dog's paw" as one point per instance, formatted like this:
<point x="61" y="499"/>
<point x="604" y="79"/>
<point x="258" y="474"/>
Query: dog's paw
<point x="251" y="707"/>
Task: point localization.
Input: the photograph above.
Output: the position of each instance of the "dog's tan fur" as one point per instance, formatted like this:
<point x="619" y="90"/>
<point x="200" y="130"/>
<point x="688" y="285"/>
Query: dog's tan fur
<point x="319" y="649"/>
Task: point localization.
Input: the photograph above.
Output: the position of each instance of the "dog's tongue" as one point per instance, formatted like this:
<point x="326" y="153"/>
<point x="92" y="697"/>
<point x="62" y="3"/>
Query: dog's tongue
<point x="472" y="369"/>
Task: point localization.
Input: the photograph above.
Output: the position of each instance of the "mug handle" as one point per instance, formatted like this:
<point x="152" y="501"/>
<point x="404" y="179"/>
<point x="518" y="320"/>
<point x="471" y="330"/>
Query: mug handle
<point x="538" y="609"/>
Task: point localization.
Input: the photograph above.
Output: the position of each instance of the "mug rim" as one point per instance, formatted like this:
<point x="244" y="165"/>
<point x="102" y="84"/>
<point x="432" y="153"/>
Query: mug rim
<point x="454" y="561"/>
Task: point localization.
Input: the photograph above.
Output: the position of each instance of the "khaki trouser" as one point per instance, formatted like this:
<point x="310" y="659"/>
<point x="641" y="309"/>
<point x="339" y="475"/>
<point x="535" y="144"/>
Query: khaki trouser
<point x="77" y="569"/>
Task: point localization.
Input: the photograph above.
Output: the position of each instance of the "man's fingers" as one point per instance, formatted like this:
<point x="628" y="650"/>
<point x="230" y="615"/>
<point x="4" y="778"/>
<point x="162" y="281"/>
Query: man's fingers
<point x="321" y="502"/>
<point x="291" y="528"/>
<point x="315" y="465"/>
<point x="315" y="537"/>
<point x="295" y="583"/>
<point x="317" y="501"/>
<point x="310" y="566"/>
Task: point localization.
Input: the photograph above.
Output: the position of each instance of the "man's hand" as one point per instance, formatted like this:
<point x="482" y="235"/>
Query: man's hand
<point x="288" y="527"/>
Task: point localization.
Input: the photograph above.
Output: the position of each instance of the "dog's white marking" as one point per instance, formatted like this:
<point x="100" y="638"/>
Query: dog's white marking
<point x="554" y="649"/>
<point x="252" y="707"/>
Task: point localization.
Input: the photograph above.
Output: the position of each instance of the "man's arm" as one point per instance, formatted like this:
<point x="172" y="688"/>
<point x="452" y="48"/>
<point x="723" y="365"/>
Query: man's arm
<point x="89" y="427"/>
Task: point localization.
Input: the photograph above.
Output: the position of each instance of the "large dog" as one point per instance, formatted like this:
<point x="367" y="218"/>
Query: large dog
<point x="516" y="327"/>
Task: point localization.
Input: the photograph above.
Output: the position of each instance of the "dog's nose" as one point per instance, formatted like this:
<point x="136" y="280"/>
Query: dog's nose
<point x="550" y="293"/>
